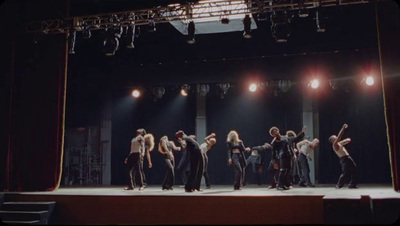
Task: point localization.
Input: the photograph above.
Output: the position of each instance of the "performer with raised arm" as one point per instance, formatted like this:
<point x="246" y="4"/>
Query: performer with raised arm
<point x="349" y="167"/>
<point x="281" y="145"/>
<point x="256" y="160"/>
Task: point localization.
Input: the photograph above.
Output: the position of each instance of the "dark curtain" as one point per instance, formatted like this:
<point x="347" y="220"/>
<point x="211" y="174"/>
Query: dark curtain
<point x="388" y="18"/>
<point x="36" y="113"/>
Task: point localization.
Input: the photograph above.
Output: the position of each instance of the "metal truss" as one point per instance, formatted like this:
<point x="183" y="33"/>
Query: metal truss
<point x="210" y="9"/>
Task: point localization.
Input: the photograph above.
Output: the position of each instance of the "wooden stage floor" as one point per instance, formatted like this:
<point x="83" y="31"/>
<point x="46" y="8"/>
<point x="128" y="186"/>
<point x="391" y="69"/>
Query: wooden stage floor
<point x="323" y="204"/>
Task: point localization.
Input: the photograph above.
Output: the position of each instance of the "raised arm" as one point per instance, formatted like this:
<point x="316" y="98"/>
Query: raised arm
<point x="174" y="147"/>
<point x="207" y="139"/>
<point x="340" y="134"/>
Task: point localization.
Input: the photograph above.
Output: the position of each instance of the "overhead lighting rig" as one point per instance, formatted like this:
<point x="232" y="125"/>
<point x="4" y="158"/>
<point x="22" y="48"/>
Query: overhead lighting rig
<point x="177" y="12"/>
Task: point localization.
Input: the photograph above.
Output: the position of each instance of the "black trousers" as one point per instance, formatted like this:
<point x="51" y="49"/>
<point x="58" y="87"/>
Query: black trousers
<point x="255" y="167"/>
<point x="196" y="170"/>
<point x="239" y="167"/>
<point x="284" y="166"/>
<point x="272" y="174"/>
<point x="169" y="179"/>
<point x="305" y="170"/>
<point x="349" y="169"/>
<point x="133" y="170"/>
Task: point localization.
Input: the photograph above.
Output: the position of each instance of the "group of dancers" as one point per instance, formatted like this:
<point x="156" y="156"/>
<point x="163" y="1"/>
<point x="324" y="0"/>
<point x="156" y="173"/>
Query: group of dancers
<point x="289" y="153"/>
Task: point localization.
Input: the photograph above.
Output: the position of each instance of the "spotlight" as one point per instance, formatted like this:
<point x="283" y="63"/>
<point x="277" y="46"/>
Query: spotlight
<point x="203" y="89"/>
<point x="247" y="26"/>
<point x="191" y="30"/>
<point x="136" y="93"/>
<point x="252" y="87"/>
<point x="185" y="90"/>
<point x="280" y="26"/>
<point x="151" y="27"/>
<point x="158" y="92"/>
<point x="314" y="83"/>
<point x="71" y="41"/>
<point x="319" y="22"/>
<point x="130" y="36"/>
<point x="284" y="85"/>
<point x="369" y="80"/>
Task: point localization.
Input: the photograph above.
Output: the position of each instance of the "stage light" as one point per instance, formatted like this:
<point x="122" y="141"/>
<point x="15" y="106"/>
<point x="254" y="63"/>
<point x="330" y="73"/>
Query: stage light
<point x="247" y="26"/>
<point x="284" y="85"/>
<point x="280" y="27"/>
<point x="224" y="87"/>
<point x="303" y="12"/>
<point x="225" y="20"/>
<point x="86" y="33"/>
<point x="319" y="22"/>
<point x="369" y="80"/>
<point x="136" y="93"/>
<point x="191" y="30"/>
<point x="314" y="83"/>
<point x="151" y="27"/>
<point x="203" y="89"/>
<point x="158" y="92"/>
<point x="253" y="87"/>
<point x="71" y="41"/>
<point x="111" y="42"/>
<point x="185" y="90"/>
<point x="130" y="36"/>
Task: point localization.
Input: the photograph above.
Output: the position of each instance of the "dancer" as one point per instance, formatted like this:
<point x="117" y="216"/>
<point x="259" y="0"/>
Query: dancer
<point x="148" y="146"/>
<point x="281" y="145"/>
<point x="133" y="160"/>
<point x="256" y="160"/>
<point x="293" y="157"/>
<point x="209" y="141"/>
<point x="196" y="160"/>
<point x="184" y="165"/>
<point x="305" y="147"/>
<point x="166" y="147"/>
<point x="349" y="167"/>
<point x="236" y="157"/>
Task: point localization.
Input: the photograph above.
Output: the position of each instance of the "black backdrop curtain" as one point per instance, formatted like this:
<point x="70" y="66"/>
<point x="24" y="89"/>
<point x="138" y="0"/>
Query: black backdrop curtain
<point x="36" y="114"/>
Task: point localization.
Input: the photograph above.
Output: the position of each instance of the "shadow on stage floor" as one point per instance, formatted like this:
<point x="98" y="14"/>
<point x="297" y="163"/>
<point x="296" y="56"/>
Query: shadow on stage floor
<point x="323" y="204"/>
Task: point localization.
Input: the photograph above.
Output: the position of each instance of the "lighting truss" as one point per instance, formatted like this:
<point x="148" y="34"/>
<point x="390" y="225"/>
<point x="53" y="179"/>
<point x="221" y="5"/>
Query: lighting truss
<point x="201" y="10"/>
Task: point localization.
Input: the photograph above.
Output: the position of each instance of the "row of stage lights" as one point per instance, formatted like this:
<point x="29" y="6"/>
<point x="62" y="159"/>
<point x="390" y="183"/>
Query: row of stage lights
<point x="282" y="87"/>
<point x="114" y="34"/>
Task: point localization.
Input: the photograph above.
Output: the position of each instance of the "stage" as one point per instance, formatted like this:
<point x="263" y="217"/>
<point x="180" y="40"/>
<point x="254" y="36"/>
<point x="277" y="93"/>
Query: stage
<point x="323" y="204"/>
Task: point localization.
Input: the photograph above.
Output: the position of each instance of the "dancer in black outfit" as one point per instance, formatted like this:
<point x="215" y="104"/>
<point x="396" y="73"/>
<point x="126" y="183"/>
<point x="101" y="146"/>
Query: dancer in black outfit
<point x="196" y="160"/>
<point x="236" y="158"/>
<point x="281" y="145"/>
<point x="184" y="165"/>
<point x="166" y="147"/>
<point x="256" y="160"/>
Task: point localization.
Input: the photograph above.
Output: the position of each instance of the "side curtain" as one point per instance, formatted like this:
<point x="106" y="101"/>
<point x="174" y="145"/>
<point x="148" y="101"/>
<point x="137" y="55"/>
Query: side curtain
<point x="388" y="24"/>
<point x="37" y="90"/>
